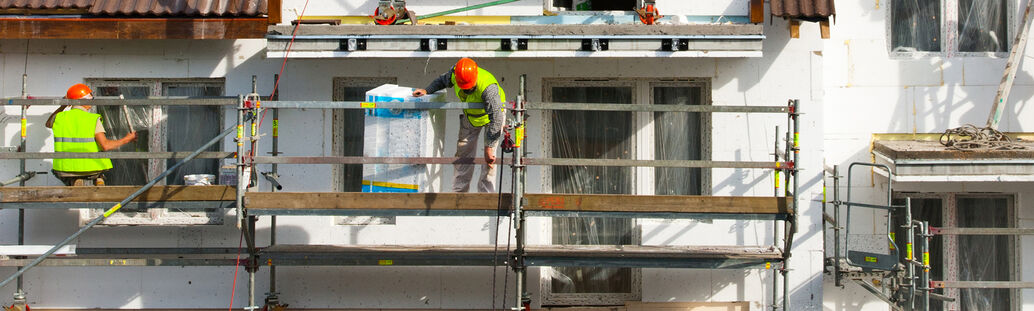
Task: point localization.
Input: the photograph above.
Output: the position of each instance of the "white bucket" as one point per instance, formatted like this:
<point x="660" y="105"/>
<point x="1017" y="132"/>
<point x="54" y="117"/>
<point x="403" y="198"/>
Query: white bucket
<point x="199" y="180"/>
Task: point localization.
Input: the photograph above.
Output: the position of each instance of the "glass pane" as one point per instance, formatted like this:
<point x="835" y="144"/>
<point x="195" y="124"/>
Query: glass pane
<point x="193" y="127"/>
<point x="677" y="137"/>
<point x="983" y="26"/>
<point x="594" y="135"/>
<point x="984" y="257"/>
<point x="930" y="210"/>
<point x="916" y="26"/>
<point x="352" y="134"/>
<point x="134" y="171"/>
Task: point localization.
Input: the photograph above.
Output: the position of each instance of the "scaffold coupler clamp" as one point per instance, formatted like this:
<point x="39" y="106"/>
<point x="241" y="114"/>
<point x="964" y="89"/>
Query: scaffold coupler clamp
<point x="272" y="303"/>
<point x="19" y="303"/>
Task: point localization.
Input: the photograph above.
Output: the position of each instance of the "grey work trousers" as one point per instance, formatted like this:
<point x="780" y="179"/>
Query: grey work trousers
<point x="467" y="147"/>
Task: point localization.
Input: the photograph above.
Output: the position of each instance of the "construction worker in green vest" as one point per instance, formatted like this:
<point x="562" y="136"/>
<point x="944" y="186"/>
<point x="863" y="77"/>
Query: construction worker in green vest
<point x="474" y="85"/>
<point x="78" y="130"/>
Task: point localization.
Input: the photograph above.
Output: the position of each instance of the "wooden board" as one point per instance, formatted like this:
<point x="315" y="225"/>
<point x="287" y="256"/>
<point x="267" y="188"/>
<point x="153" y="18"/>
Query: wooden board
<point x="659" y="203"/>
<point x="687" y="306"/>
<point x="570" y="251"/>
<point x="116" y="194"/>
<point x="133" y="28"/>
<point x="653" y="251"/>
<point x="536" y="202"/>
<point x="388" y="201"/>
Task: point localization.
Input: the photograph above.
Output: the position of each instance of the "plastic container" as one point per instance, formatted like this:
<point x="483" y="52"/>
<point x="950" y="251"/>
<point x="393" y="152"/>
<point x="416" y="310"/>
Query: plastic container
<point x="199" y="180"/>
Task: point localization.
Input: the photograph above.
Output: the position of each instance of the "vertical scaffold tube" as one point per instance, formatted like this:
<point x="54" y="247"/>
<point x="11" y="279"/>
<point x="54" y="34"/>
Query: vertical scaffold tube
<point x="791" y="223"/>
<point x="19" y="292"/>
<point x="520" y="271"/>
<point x="909" y="254"/>
<point x="836" y="226"/>
<point x="775" y="223"/>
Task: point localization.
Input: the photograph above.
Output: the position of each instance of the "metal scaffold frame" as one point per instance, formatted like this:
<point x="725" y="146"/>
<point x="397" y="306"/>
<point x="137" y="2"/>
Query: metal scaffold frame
<point x="519" y="205"/>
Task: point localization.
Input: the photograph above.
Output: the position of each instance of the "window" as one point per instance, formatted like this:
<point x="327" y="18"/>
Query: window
<point x="348" y="141"/>
<point x="617" y="135"/>
<point x="967" y="257"/>
<point x="160" y="128"/>
<point x="192" y="126"/>
<point x="594" y="5"/>
<point x="925" y="26"/>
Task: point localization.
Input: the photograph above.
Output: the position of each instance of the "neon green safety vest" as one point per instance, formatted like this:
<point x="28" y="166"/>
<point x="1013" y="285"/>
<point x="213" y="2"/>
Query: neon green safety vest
<point x="73" y="132"/>
<point x="478" y="117"/>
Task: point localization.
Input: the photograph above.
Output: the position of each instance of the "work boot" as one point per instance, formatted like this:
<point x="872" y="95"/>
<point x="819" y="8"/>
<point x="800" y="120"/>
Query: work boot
<point x="78" y="182"/>
<point x="98" y="182"/>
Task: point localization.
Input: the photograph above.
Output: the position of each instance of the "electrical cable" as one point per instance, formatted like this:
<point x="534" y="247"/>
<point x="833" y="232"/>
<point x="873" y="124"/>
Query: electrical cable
<point x="495" y="240"/>
<point x="276" y="85"/>
<point x="237" y="266"/>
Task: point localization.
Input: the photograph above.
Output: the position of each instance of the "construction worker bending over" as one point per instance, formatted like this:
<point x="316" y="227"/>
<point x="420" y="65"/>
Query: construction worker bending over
<point x="78" y="130"/>
<point x="474" y="85"/>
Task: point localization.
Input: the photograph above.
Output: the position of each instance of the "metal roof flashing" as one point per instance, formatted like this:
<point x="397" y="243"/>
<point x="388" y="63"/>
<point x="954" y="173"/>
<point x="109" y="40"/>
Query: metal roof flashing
<point x="371" y="41"/>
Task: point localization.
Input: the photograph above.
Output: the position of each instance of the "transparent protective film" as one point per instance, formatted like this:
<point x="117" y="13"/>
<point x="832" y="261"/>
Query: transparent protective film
<point x="915" y="26"/>
<point x="983" y="26"/>
<point x="117" y="125"/>
<point x="594" y="135"/>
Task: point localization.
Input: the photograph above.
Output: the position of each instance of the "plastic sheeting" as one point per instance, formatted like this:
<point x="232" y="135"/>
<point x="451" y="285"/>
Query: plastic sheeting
<point x="592" y="134"/>
<point x="677" y="137"/>
<point x="188" y="128"/>
<point x="984" y="257"/>
<point x="916" y="26"/>
<point x="982" y="26"/>
<point x="127" y="171"/>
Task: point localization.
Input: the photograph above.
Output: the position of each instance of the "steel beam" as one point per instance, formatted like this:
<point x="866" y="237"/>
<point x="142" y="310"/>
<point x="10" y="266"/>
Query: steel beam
<point x="112" y="155"/>
<point x="527" y="161"/>
<point x="981" y="284"/>
<point x="149" y="101"/>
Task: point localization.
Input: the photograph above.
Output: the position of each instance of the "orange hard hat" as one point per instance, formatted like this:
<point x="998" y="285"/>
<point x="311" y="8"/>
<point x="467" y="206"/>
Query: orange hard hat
<point x="78" y="91"/>
<point x="466" y="72"/>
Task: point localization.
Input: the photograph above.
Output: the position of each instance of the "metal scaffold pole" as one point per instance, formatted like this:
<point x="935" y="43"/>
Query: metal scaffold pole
<point x="117" y="206"/>
<point x="791" y="221"/>
<point x="520" y="270"/>
<point x="775" y="223"/>
<point x="274" y="180"/>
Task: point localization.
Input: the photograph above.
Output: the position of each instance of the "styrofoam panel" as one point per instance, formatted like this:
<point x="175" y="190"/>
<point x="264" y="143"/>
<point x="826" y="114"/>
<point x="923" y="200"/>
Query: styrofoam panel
<point x="667" y="285"/>
<point x="867" y="20"/>
<point x="941" y="108"/>
<point x="736" y="285"/>
<point x="720" y="7"/>
<point x="868" y="65"/>
<point x="722" y="232"/>
<point x="869" y="110"/>
<point x="983" y="71"/>
<point x="852" y="297"/>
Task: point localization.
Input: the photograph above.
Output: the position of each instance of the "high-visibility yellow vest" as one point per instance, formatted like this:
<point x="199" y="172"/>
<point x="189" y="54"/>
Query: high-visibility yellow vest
<point x="478" y="117"/>
<point x="74" y="132"/>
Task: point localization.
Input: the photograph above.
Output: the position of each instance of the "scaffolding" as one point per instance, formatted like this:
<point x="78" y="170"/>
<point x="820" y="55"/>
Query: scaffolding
<point x="518" y="205"/>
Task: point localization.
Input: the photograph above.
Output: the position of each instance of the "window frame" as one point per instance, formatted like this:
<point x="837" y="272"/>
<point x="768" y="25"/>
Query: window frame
<point x="949" y="212"/>
<point x="158" y="132"/>
<point x="642" y="144"/>
<point x="949" y="33"/>
<point x="337" y="146"/>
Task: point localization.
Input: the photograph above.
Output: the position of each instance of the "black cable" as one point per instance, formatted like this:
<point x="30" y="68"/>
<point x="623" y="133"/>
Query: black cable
<point x="495" y="240"/>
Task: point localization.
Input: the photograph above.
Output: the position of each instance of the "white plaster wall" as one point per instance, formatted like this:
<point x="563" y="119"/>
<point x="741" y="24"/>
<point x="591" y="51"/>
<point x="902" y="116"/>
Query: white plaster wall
<point x="790" y="69"/>
<point x="868" y="91"/>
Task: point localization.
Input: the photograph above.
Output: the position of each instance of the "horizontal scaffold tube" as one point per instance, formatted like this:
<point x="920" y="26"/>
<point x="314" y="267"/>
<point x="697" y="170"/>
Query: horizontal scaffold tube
<point x="527" y="161"/>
